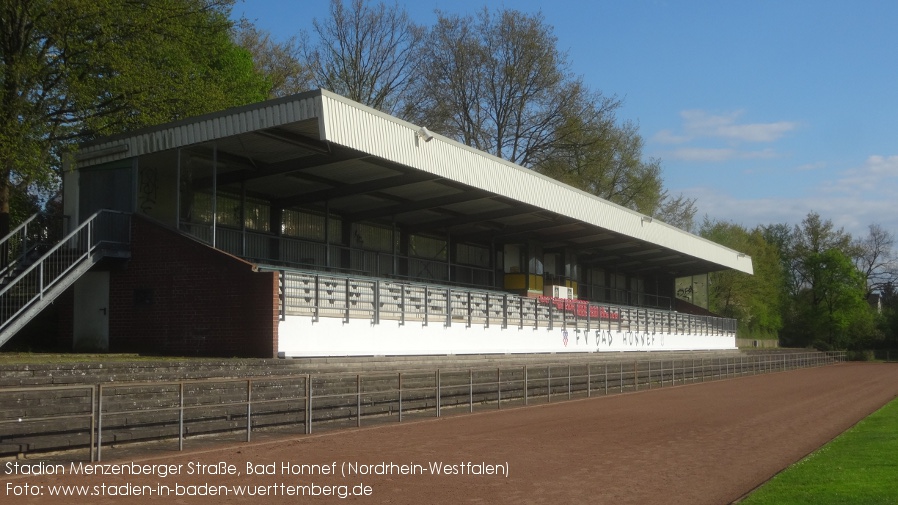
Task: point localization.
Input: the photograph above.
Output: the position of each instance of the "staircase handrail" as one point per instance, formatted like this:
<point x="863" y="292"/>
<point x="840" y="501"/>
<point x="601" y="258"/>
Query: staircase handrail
<point x="8" y="262"/>
<point x="44" y="288"/>
<point x="18" y="228"/>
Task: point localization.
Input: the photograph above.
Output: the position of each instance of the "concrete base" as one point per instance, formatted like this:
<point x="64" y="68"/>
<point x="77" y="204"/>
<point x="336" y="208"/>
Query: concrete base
<point x="302" y="336"/>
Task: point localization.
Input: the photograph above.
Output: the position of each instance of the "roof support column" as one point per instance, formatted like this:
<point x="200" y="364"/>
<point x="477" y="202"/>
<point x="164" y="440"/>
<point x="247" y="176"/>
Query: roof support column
<point x="178" y="190"/>
<point x="401" y="269"/>
<point x="243" y="218"/>
<point x="492" y="262"/>
<point x="327" y="233"/>
<point x="346" y="254"/>
<point x="448" y="256"/>
<point x="275" y="218"/>
<point x="214" y="190"/>
<point x="393" y="251"/>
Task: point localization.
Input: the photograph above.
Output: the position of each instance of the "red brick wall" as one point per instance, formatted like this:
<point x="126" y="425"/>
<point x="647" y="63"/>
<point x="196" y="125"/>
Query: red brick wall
<point x="179" y="296"/>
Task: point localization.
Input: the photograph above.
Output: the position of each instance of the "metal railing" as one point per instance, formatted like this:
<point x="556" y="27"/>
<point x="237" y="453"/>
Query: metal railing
<point x="178" y="410"/>
<point x="324" y="295"/>
<point x="102" y="231"/>
<point x="305" y="254"/>
<point x="27" y="240"/>
<point x="15" y="246"/>
<point x="297" y="253"/>
<point x="601" y="293"/>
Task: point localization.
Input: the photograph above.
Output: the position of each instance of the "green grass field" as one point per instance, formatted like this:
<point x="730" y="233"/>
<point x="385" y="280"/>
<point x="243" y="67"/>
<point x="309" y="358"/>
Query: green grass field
<point x="858" y="467"/>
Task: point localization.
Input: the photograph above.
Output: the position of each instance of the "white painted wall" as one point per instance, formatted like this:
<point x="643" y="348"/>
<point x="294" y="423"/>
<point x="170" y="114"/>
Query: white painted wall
<point x="300" y="336"/>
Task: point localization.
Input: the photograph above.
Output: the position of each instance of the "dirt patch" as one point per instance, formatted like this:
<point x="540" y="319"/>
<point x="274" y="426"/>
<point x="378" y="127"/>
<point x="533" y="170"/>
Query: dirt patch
<point x="706" y="443"/>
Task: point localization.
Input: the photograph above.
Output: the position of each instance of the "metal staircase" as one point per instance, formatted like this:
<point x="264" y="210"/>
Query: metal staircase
<point x="34" y="273"/>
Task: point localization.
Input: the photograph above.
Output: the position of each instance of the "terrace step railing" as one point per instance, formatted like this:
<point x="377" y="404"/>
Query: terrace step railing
<point x="352" y="297"/>
<point x="35" y="280"/>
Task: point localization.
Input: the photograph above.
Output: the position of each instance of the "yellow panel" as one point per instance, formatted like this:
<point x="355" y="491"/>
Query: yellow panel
<point x="515" y="281"/>
<point x="536" y="282"/>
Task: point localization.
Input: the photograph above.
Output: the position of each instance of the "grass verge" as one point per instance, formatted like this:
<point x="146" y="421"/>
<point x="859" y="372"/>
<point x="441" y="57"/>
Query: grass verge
<point x="858" y="467"/>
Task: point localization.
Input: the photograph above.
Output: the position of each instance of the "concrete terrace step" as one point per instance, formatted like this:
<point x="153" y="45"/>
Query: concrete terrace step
<point x="135" y="411"/>
<point x="15" y="375"/>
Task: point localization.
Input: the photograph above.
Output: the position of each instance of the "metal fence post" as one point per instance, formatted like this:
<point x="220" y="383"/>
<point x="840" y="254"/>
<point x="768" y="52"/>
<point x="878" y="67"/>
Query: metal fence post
<point x="93" y="422"/>
<point x="498" y="388"/>
<point x="181" y="416"/>
<point x="471" y="389"/>
<point x="99" y="422"/>
<point x="438" y="391"/>
<point x="549" y="384"/>
<point x="606" y="379"/>
<point x="400" y="397"/>
<point x="569" y="382"/>
<point x="588" y="377"/>
<point x="358" y="400"/>
<point x="249" y="408"/>
<point x="308" y="404"/>
<point x="525" y="384"/>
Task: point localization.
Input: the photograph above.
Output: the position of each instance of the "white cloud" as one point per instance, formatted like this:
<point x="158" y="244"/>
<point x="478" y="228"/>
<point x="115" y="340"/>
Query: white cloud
<point x="698" y="124"/>
<point x="807" y="167"/>
<point x="882" y="165"/>
<point x="668" y="137"/>
<point x="702" y="154"/>
<point x="717" y="155"/>
<point x="853" y="200"/>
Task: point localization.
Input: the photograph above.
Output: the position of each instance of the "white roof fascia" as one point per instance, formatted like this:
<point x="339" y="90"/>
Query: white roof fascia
<point x="205" y="128"/>
<point x="356" y="126"/>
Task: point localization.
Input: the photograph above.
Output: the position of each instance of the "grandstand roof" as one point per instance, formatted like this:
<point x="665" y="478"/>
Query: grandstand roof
<point x="318" y="149"/>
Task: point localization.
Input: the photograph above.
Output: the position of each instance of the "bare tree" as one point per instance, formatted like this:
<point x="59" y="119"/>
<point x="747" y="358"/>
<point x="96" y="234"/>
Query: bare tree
<point x="280" y="62"/>
<point x="677" y="211"/>
<point x="498" y="82"/>
<point x="875" y="259"/>
<point x="369" y="54"/>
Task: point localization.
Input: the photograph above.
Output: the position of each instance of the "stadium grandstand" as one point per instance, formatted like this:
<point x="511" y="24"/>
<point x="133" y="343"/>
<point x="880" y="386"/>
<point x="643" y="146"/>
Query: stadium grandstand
<point x="312" y="225"/>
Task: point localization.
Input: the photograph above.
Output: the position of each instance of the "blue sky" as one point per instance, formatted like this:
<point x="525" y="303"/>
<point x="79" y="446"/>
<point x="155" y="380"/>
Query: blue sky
<point x="761" y="110"/>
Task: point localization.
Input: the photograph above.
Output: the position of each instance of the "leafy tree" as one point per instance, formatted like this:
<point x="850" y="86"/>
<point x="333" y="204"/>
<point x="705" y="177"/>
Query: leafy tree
<point x="835" y="311"/>
<point x="754" y="300"/>
<point x="595" y="154"/>
<point x="779" y="236"/>
<point x="814" y="236"/>
<point x="826" y="303"/>
<point x="889" y="320"/>
<point x="370" y="54"/>
<point x="75" y="69"/>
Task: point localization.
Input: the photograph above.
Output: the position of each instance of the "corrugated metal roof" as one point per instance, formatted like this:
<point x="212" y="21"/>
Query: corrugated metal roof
<point x="347" y="123"/>
<point x="204" y="128"/>
<point x="358" y="127"/>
